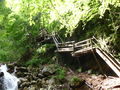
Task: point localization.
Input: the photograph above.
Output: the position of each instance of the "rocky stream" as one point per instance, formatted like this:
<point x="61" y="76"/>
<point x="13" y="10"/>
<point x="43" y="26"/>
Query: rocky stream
<point x="39" y="78"/>
<point x="45" y="77"/>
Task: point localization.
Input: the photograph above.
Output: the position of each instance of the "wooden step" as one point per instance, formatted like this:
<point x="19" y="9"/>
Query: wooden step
<point x="82" y="51"/>
<point x="65" y="50"/>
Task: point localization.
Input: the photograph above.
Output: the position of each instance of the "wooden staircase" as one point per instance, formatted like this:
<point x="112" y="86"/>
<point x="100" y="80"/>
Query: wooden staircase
<point x="86" y="46"/>
<point x="110" y="61"/>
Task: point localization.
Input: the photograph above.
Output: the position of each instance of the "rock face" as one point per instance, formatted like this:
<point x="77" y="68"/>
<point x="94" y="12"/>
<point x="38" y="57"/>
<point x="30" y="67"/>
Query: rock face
<point x="29" y="79"/>
<point x="1" y="81"/>
<point x="48" y="70"/>
<point x="44" y="78"/>
<point x="40" y="78"/>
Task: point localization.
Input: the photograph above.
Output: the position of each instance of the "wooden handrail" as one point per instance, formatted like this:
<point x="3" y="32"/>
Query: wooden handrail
<point x="110" y="55"/>
<point x="112" y="60"/>
<point x="83" y="41"/>
<point x="83" y="45"/>
<point x="108" y="61"/>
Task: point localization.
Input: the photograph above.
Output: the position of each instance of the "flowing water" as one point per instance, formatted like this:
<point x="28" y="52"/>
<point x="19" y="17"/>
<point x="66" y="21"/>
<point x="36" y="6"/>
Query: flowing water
<point x="7" y="81"/>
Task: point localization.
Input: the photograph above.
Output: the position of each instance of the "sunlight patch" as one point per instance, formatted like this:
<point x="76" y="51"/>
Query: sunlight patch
<point x="14" y="5"/>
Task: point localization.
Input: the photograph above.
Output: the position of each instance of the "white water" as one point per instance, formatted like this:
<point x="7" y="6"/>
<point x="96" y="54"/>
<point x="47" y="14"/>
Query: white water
<point x="10" y="81"/>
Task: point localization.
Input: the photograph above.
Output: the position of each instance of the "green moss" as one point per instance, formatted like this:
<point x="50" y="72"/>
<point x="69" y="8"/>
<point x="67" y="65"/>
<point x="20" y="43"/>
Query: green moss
<point x="75" y="79"/>
<point x="37" y="61"/>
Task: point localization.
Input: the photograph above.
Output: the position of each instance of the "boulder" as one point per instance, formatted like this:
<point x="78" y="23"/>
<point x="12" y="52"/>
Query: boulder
<point x="33" y="87"/>
<point x="39" y="83"/>
<point x="25" y="88"/>
<point x="33" y="82"/>
<point x="76" y="84"/>
<point x="1" y="81"/>
<point x="51" y="81"/>
<point x="23" y="80"/>
<point x="24" y="84"/>
<point x="48" y="70"/>
<point x="40" y="76"/>
<point x="22" y="69"/>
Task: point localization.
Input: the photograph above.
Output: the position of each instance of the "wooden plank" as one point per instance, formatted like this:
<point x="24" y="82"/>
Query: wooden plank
<point x="82" y="51"/>
<point x="65" y="49"/>
<point x="117" y="61"/>
<point x="83" y="41"/>
<point x="83" y="45"/>
<point x="64" y="45"/>
<point x="108" y="62"/>
<point x="112" y="60"/>
<point x="109" y="54"/>
<point x="69" y="42"/>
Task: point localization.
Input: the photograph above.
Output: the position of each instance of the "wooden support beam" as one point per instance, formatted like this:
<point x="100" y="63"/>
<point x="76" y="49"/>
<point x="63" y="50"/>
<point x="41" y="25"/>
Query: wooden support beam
<point x="109" y="63"/>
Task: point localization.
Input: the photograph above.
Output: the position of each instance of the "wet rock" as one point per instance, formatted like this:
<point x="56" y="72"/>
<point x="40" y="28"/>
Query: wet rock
<point x="34" y="77"/>
<point x="43" y="81"/>
<point x="33" y="82"/>
<point x="40" y="75"/>
<point x="29" y="77"/>
<point x="39" y="83"/>
<point x="1" y="74"/>
<point x="22" y="74"/>
<point x="51" y="81"/>
<point x="11" y="67"/>
<point x="22" y="69"/>
<point x="25" y="84"/>
<point x="42" y="88"/>
<point x="48" y="70"/>
<point x="2" y="82"/>
<point x="32" y="88"/>
<point x="23" y="80"/>
<point x="50" y="87"/>
<point x="25" y="88"/>
<point x="76" y="82"/>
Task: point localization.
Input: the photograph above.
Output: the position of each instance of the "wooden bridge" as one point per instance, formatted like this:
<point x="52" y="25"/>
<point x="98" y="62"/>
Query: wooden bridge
<point x="86" y="46"/>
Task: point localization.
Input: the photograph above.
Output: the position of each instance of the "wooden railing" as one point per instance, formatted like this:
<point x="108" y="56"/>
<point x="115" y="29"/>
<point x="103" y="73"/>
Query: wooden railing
<point x="88" y="45"/>
<point x="111" y="61"/>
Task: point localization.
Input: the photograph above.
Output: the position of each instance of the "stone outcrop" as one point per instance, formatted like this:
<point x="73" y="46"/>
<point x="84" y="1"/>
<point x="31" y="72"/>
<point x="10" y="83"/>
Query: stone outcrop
<point x="39" y="78"/>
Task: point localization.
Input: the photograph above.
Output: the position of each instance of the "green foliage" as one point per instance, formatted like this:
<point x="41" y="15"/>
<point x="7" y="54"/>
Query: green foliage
<point x="60" y="73"/>
<point x="22" y="20"/>
<point x="44" y="48"/>
<point x="37" y="61"/>
<point x="79" y="10"/>
<point x="75" y="79"/>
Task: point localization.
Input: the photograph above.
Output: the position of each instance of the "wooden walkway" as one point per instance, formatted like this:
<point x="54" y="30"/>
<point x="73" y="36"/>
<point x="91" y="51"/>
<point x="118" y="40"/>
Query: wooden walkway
<point x="86" y="46"/>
